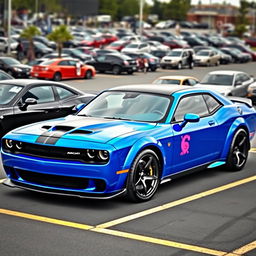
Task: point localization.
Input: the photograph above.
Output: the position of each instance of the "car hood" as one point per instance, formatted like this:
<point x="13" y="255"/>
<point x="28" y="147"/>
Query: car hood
<point x="83" y="128"/>
<point x="225" y="90"/>
<point x="21" y="66"/>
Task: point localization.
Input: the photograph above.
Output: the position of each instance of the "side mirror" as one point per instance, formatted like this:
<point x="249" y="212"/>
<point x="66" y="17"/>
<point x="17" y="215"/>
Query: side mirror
<point x="28" y="101"/>
<point x="80" y="106"/>
<point x="188" y="118"/>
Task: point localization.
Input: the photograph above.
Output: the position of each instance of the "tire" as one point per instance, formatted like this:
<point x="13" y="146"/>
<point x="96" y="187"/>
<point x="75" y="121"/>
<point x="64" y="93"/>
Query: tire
<point x="57" y="76"/>
<point x="39" y="55"/>
<point x="144" y="177"/>
<point x="130" y="72"/>
<point x="217" y="63"/>
<point x="116" y="70"/>
<point x="179" y="66"/>
<point x="88" y="74"/>
<point x="238" y="151"/>
<point x="153" y="69"/>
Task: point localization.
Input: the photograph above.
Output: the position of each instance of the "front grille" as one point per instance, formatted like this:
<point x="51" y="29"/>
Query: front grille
<point x="53" y="152"/>
<point x="53" y="180"/>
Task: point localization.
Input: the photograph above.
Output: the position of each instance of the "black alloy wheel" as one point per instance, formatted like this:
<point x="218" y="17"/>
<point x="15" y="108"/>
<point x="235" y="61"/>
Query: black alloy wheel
<point x="238" y="152"/>
<point x="88" y="74"/>
<point x="116" y="70"/>
<point x="144" y="176"/>
<point x="57" y="76"/>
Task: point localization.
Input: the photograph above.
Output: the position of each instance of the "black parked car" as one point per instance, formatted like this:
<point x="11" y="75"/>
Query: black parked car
<point x="237" y="55"/>
<point x="14" y="68"/>
<point x="47" y="42"/>
<point x="24" y="101"/>
<point x="39" y="48"/>
<point x="76" y="54"/>
<point x="115" y="63"/>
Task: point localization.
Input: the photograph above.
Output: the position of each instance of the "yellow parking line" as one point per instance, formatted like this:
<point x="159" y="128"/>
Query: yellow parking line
<point x="162" y="242"/>
<point x="253" y="150"/>
<point x="176" y="203"/>
<point x="247" y="248"/>
<point x="116" y="233"/>
<point x="46" y="219"/>
<point x="109" y="76"/>
<point x="2" y="180"/>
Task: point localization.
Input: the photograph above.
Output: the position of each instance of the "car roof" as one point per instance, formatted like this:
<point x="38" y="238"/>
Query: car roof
<point x="152" y="88"/>
<point x="226" y="72"/>
<point x="178" y="77"/>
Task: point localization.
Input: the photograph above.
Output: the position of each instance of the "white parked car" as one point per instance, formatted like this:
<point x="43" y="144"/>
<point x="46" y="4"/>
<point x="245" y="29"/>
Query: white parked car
<point x="155" y="46"/>
<point x="138" y="47"/>
<point x="228" y="82"/>
<point x="177" y="58"/>
<point x="4" y="44"/>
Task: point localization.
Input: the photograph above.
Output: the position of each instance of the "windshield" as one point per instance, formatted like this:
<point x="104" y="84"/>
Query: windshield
<point x="8" y="92"/>
<point x="203" y="53"/>
<point x="167" y="81"/>
<point x="132" y="46"/>
<point x="175" y="53"/>
<point x="134" y="106"/>
<point x="40" y="45"/>
<point x="218" y="79"/>
<point x="11" y="61"/>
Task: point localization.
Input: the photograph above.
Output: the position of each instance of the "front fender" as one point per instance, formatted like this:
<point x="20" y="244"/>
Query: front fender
<point x="239" y="122"/>
<point x="138" y="146"/>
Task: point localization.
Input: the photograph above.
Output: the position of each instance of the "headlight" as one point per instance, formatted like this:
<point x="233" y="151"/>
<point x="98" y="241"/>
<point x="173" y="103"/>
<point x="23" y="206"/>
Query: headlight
<point x="91" y="153"/>
<point x="17" y="69"/>
<point x="103" y="155"/>
<point x="19" y="145"/>
<point x="9" y="143"/>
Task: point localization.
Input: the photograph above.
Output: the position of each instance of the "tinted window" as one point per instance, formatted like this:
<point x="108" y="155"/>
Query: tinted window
<point x="64" y="93"/>
<point x="63" y="63"/>
<point x="42" y="94"/>
<point x="212" y="103"/>
<point x="193" y="104"/>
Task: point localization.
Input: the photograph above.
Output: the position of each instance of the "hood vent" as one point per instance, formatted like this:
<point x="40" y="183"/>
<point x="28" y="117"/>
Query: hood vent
<point x="81" y="132"/>
<point x="46" y="127"/>
<point x="62" y="128"/>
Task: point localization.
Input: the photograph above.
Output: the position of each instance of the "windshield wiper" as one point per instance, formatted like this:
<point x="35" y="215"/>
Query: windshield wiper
<point x="116" y="118"/>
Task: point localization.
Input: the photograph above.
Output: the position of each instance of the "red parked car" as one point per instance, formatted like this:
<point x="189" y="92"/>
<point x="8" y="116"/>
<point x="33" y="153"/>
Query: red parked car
<point x="62" y="68"/>
<point x="251" y="41"/>
<point x="117" y="45"/>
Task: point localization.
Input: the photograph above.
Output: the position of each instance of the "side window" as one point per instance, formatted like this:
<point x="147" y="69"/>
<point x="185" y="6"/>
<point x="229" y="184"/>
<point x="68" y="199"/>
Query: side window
<point x="238" y="79"/>
<point x="245" y="77"/>
<point x="192" y="82"/>
<point x="63" y="63"/>
<point x="192" y="104"/>
<point x="42" y="94"/>
<point x="211" y="103"/>
<point x="101" y="58"/>
<point x="186" y="82"/>
<point x="64" y="93"/>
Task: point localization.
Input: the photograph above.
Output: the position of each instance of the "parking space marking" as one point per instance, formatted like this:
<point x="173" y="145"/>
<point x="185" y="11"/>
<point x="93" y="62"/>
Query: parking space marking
<point x="247" y="248"/>
<point x="2" y="180"/>
<point x="253" y="150"/>
<point x="117" y="233"/>
<point x="175" y="203"/>
<point x="109" y="76"/>
<point x="46" y="219"/>
<point x="163" y="242"/>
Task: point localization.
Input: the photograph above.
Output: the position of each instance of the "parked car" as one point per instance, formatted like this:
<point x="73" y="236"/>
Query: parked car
<point x="76" y="54"/>
<point x="14" y="68"/>
<point x="137" y="47"/>
<point x="250" y="41"/>
<point x="45" y="41"/>
<point x="154" y="46"/>
<point x="227" y="82"/>
<point x="252" y="92"/>
<point x="117" y="45"/>
<point x="207" y="58"/>
<point x="62" y="68"/>
<point x="194" y="41"/>
<point x="237" y="55"/>
<point x="5" y="76"/>
<point x="244" y="49"/>
<point x="4" y="42"/>
<point x="115" y="63"/>
<point x="177" y="58"/>
<point x="39" y="49"/>
<point x="153" y="62"/>
<point x="24" y="101"/>
<point x="176" y="80"/>
<point x="128" y="140"/>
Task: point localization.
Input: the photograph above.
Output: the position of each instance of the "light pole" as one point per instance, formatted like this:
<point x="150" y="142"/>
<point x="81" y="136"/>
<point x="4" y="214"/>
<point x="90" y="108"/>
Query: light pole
<point x="141" y="17"/>
<point x="9" y="26"/>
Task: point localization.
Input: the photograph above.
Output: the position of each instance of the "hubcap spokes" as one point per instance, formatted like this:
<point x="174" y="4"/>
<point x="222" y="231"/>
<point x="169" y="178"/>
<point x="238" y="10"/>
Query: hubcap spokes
<point x="146" y="178"/>
<point x="239" y="153"/>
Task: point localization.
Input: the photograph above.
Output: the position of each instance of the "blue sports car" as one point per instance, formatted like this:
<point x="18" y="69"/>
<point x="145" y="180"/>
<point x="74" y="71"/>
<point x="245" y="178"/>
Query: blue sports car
<point x="128" y="140"/>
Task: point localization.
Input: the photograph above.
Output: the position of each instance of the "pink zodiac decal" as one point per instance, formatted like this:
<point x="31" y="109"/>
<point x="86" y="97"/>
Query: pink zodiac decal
<point x="184" y="145"/>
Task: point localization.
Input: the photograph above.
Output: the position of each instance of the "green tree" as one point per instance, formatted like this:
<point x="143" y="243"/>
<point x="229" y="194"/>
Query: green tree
<point x="157" y="8"/>
<point x="29" y="33"/>
<point x="127" y="8"/>
<point x="177" y="9"/>
<point x="109" y="7"/>
<point x="242" y="21"/>
<point x="60" y="35"/>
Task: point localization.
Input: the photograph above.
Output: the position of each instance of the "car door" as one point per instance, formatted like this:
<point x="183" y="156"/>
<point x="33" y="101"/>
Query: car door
<point x="65" y="68"/>
<point x="238" y="89"/>
<point x="46" y="107"/>
<point x="197" y="143"/>
<point x="101" y="63"/>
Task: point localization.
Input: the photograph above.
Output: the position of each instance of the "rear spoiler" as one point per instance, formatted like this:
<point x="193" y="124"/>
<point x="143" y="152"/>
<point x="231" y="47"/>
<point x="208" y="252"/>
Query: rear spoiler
<point x="247" y="102"/>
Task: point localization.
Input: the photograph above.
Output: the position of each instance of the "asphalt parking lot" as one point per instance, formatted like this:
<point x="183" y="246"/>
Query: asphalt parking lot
<point x="206" y="213"/>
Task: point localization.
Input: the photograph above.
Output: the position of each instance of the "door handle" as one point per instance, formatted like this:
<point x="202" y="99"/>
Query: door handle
<point x="211" y="122"/>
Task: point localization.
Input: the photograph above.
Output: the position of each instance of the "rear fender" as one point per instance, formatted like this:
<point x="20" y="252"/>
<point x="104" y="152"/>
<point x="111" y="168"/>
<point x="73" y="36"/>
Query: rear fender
<point x="239" y="122"/>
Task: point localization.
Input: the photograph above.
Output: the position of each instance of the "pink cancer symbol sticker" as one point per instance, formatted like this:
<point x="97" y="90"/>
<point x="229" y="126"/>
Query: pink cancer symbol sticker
<point x="185" y="144"/>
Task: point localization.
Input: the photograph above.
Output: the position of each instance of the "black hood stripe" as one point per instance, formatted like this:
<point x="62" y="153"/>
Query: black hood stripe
<point x="50" y="138"/>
